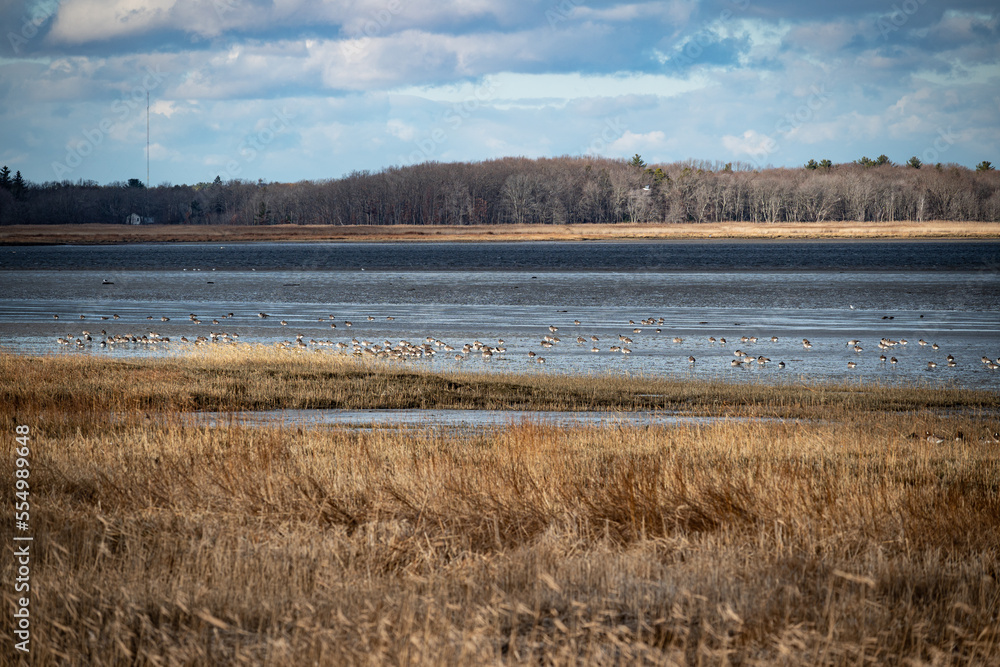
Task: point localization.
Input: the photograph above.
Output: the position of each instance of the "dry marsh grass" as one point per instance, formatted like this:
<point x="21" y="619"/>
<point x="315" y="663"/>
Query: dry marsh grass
<point x="262" y="378"/>
<point x="831" y="542"/>
<point x="103" y="233"/>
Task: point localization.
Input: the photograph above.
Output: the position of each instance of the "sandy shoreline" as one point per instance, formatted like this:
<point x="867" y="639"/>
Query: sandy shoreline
<point x="116" y="234"/>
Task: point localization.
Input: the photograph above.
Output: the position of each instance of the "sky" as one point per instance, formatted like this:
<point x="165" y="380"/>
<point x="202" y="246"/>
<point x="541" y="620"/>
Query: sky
<point x="290" y="90"/>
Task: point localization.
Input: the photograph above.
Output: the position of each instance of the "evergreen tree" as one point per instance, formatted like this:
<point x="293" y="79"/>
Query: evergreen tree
<point x="914" y="162"/>
<point x="985" y="165"/>
<point x="637" y="162"/>
<point x="812" y="164"/>
<point x="825" y="164"/>
<point x="5" y="178"/>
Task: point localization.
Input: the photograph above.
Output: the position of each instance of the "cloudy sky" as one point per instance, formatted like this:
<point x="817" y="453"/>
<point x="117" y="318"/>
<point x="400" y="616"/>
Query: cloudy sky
<point x="285" y="90"/>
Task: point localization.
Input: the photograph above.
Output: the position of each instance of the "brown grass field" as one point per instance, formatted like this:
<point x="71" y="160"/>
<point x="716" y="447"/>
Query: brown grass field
<point x="833" y="540"/>
<point x="100" y="234"/>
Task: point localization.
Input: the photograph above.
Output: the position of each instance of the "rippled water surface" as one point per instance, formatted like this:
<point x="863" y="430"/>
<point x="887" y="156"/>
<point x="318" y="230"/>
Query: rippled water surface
<point x="943" y="293"/>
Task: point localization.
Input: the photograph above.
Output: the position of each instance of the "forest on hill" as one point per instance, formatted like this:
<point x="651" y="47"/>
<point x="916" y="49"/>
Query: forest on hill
<point x="564" y="190"/>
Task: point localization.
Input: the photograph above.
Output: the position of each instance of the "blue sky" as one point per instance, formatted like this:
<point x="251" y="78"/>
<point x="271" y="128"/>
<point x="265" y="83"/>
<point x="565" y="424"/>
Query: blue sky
<point x="286" y="90"/>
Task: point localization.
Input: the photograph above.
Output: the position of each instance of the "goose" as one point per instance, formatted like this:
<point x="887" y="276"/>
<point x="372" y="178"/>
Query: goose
<point x="931" y="364"/>
<point x="933" y="438"/>
<point x="774" y="339"/>
<point x="781" y="364"/>
<point x="851" y="364"/>
<point x="691" y="360"/>
<point x="893" y="360"/>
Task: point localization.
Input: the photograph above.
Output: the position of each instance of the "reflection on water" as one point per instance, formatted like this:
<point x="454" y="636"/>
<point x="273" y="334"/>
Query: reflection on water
<point x="475" y="419"/>
<point x="755" y="256"/>
<point x="959" y="310"/>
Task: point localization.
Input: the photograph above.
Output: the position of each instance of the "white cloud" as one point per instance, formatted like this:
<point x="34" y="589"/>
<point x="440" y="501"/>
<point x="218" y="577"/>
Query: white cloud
<point x="751" y="143"/>
<point x="164" y="108"/>
<point x="401" y="129"/>
<point x="509" y="86"/>
<point x="81" y="21"/>
<point x="631" y="143"/>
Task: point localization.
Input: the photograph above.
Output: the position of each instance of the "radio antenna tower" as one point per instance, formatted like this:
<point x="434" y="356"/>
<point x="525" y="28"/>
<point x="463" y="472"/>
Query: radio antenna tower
<point x="147" y="140"/>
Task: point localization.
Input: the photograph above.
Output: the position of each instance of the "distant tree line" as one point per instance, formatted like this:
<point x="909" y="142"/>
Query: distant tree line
<point x="565" y="190"/>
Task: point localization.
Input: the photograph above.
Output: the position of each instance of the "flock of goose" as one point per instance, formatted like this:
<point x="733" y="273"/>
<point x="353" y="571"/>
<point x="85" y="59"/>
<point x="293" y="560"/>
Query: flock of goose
<point x="623" y="344"/>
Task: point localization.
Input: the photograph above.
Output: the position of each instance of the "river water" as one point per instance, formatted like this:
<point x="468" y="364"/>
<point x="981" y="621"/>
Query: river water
<point x="944" y="293"/>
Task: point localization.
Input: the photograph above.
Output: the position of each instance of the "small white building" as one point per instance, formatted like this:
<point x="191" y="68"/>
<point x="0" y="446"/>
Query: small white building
<point x="136" y="219"/>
